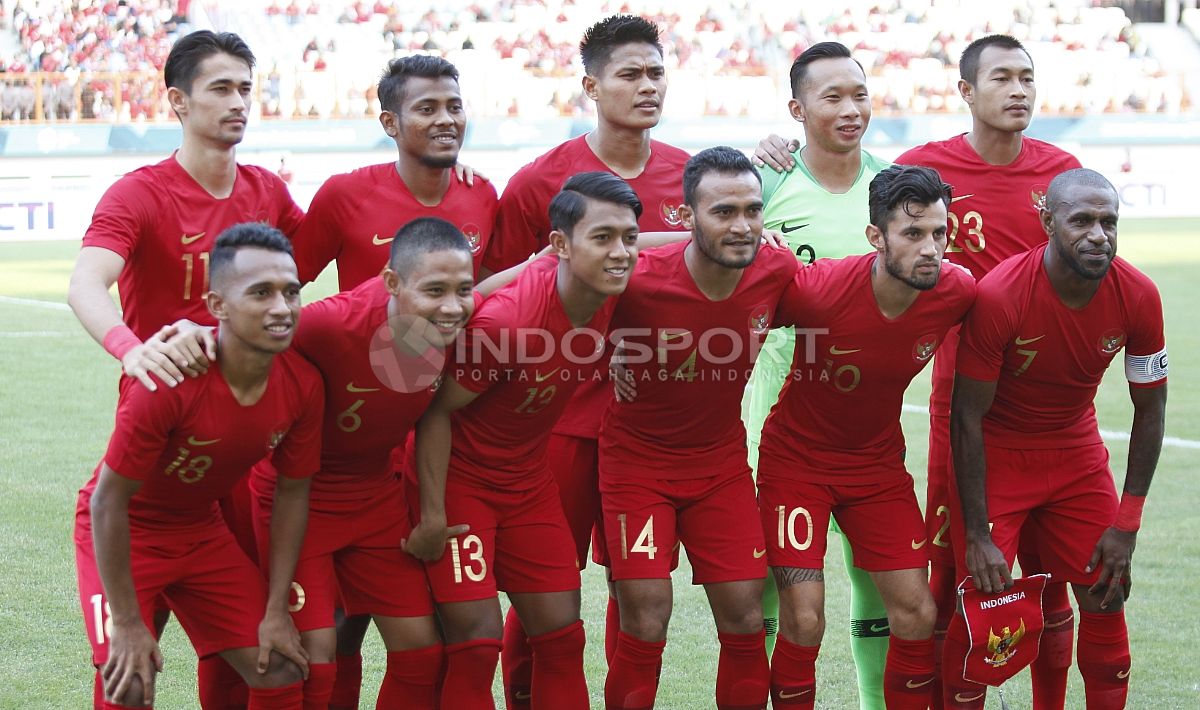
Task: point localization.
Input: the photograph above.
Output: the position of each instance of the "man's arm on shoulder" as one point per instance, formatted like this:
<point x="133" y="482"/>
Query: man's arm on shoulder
<point x="972" y="400"/>
<point x="427" y="541"/>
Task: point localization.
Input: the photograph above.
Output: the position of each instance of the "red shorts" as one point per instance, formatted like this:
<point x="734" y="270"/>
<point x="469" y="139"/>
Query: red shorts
<point x="238" y="511"/>
<point x="937" y="494"/>
<point x="212" y="587"/>
<point x="645" y="520"/>
<point x="1065" y="499"/>
<point x="519" y="542"/>
<point x="882" y="521"/>
<point x="573" y="460"/>
<point x="352" y="558"/>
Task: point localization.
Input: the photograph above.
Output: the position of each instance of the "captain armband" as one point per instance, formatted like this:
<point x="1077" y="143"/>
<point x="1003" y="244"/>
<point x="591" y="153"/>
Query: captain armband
<point x="1146" y="369"/>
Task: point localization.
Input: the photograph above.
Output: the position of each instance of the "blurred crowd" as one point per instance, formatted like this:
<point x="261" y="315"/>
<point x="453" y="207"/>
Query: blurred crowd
<point x="102" y="58"/>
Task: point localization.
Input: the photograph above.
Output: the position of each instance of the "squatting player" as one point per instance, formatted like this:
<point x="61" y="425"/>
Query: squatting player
<point x="148" y="525"/>
<point x="833" y="445"/>
<point x="816" y="196"/>
<point x="999" y="177"/>
<point x="1027" y="449"/>
<point x="623" y="60"/>
<point x="693" y="317"/>
<point x="481" y="452"/>
<point x="379" y="351"/>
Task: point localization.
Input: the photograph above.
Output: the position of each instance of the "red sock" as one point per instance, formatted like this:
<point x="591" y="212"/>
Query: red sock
<point x="411" y="679"/>
<point x="612" y="627"/>
<point x="289" y="697"/>
<point x="941" y="584"/>
<point x="348" y="684"/>
<point x="98" y="692"/>
<point x="743" y="675"/>
<point x="516" y="664"/>
<point x="957" y="693"/>
<point x="632" y="673"/>
<point x="908" y="673"/>
<point x="319" y="685"/>
<point x="470" y="667"/>
<point x="1104" y="659"/>
<point x="1049" y="669"/>
<point x="793" y="675"/>
<point x="558" y="680"/>
<point x="219" y="685"/>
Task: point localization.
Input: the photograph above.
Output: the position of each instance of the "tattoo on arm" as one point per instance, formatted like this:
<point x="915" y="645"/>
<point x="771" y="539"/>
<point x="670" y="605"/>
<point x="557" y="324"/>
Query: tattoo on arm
<point x="787" y="576"/>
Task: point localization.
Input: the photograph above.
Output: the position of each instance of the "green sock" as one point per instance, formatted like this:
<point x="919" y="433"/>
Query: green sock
<point x="869" y="630"/>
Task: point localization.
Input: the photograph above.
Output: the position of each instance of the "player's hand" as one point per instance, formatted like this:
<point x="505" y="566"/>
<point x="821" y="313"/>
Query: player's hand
<point x="776" y="153"/>
<point x="276" y="632"/>
<point x="624" y="386"/>
<point x="427" y="541"/>
<point x="133" y="653"/>
<point x="1114" y="555"/>
<point x="775" y="240"/>
<point x="190" y="345"/>
<point x="987" y="566"/>
<point x="465" y="173"/>
<point x="147" y="359"/>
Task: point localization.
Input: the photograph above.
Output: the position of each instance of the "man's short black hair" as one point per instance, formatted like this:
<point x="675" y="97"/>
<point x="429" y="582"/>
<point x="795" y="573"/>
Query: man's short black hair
<point x="721" y="159"/>
<point x="183" y="63"/>
<point x="1072" y="177"/>
<point x="968" y="64"/>
<point x="246" y="235"/>
<point x="399" y="71"/>
<point x="820" y="50"/>
<point x="904" y="187"/>
<point x="606" y="35"/>
<point x="570" y="204"/>
<point x="422" y="236"/>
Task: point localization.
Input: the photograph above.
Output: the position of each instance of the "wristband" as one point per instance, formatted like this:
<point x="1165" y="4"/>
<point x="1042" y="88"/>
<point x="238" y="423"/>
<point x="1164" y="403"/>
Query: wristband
<point x="119" y="340"/>
<point x="1129" y="513"/>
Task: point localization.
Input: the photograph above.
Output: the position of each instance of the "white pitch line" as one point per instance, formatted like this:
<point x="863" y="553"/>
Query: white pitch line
<point x="52" y="305"/>
<point x="1114" y="435"/>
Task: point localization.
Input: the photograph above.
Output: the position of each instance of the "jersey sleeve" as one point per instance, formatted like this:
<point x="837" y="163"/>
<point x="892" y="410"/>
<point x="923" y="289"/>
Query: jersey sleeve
<point x="288" y="215"/>
<point x="119" y="218"/>
<point x="299" y="454"/>
<point x="986" y="332"/>
<point x="1146" y="349"/>
<point x="521" y="220"/>
<point x="145" y="420"/>
<point x="476" y="363"/>
<point x="318" y="237"/>
<point x="798" y="296"/>
<point x="313" y="331"/>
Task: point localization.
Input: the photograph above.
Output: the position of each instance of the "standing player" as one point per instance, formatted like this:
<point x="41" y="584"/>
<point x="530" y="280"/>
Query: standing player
<point x="354" y="216"/>
<point x="1027" y="450"/>
<point x="625" y="76"/>
<point x="662" y="477"/>
<point x="481" y="452"/>
<point x="818" y="206"/>
<point x="148" y="525"/>
<point x="153" y="231"/>
<point x="833" y="446"/>
<point x="999" y="178"/>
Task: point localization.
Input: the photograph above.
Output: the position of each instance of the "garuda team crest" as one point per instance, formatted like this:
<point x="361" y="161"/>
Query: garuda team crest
<point x="1037" y="195"/>
<point x="471" y="232"/>
<point x="1003" y="647"/>
<point x="276" y="437"/>
<point x="1111" y="341"/>
<point x="760" y="320"/>
<point x="924" y="347"/>
<point x="670" y="213"/>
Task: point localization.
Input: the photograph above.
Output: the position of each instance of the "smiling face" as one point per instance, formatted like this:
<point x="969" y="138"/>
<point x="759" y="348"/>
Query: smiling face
<point x="439" y="291"/>
<point x="630" y="88"/>
<point x="833" y="104"/>
<point x="913" y="243"/>
<point x="602" y="247"/>
<point x="1082" y="226"/>
<point x="257" y="301"/>
<point x="430" y="123"/>
<point x="216" y="108"/>
<point x="727" y="221"/>
<point x="1004" y="95"/>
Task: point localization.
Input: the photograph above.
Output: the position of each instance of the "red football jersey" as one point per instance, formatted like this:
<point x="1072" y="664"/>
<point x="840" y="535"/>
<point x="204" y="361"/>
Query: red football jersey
<point x="523" y="227"/>
<point x="524" y="358"/>
<point x="993" y="215"/>
<point x="840" y="415"/>
<point x="164" y="224"/>
<point x="1047" y="359"/>
<point x="190" y="444"/>
<point x="354" y="217"/>
<point x="688" y="354"/>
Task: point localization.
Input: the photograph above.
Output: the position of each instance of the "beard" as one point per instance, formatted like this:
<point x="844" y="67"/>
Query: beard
<point x="711" y="250"/>
<point x="896" y="269"/>
<point x="1072" y="260"/>
<point x="439" y="163"/>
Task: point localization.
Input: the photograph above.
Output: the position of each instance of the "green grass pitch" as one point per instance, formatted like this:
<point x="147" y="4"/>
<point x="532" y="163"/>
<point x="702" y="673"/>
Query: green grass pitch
<point x="57" y="403"/>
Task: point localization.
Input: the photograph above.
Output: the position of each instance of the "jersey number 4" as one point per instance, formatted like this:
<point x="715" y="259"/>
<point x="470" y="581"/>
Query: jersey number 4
<point x="643" y="543"/>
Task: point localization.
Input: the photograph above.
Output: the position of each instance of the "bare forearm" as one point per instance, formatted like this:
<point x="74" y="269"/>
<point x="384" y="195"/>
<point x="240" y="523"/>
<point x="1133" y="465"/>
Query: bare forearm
<point x="110" y="536"/>
<point x="970" y="472"/>
<point x="289" y="519"/>
<point x="89" y="298"/>
<point x="433" y="461"/>
<point x="1145" y="443"/>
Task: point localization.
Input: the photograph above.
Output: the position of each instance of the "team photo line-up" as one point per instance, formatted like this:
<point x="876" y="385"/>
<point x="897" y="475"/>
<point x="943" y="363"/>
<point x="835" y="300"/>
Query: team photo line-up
<point x="632" y="351"/>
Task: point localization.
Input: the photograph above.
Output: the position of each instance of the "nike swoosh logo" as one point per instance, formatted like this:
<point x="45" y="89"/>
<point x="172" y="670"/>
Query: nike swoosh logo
<point x="1123" y="674"/>
<point x="759" y="553"/>
<point x="958" y="698"/>
<point x="918" y="685"/>
<point x="918" y="545"/>
<point x="788" y="230"/>
<point x="517" y="695"/>
<point x="542" y="378"/>
<point x="798" y="693"/>
<point x="1061" y="622"/>
<point x="193" y="441"/>
<point x="188" y="240"/>
<point x="961" y="197"/>
<point x="673" y="336"/>
<point x="351" y="388"/>
<point x="878" y="629"/>
<point x="1027" y="341"/>
<point x="835" y="350"/>
<point x="380" y="242"/>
